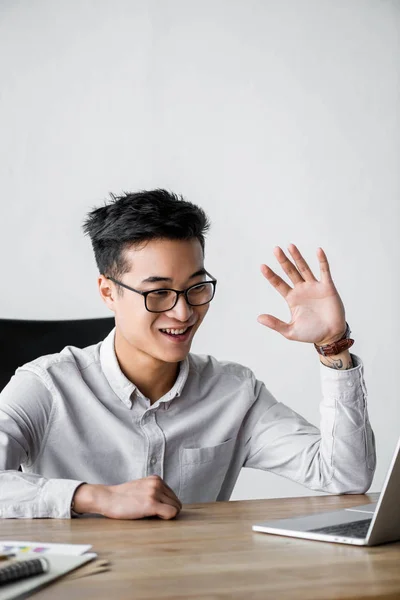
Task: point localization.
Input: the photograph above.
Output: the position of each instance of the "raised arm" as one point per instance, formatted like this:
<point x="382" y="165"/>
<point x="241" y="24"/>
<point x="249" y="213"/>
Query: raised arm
<point x="340" y="456"/>
<point x="337" y="458"/>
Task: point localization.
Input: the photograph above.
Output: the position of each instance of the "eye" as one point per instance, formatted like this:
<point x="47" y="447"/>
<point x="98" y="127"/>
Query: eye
<point x="160" y="293"/>
<point x="199" y="288"/>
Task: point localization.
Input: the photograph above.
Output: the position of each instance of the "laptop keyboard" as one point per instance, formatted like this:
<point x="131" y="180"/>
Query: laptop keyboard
<point x="355" y="529"/>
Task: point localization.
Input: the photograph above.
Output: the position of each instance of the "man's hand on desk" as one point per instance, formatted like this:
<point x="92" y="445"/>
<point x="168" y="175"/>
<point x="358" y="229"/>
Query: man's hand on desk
<point x="146" y="497"/>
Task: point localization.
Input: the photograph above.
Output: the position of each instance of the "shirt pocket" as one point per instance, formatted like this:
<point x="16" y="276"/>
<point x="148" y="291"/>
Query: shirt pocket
<point x="202" y="471"/>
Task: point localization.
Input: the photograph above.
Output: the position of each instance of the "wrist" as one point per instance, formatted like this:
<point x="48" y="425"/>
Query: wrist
<point x="339" y="362"/>
<point x="333" y="339"/>
<point x="87" y="499"/>
<point x="337" y="347"/>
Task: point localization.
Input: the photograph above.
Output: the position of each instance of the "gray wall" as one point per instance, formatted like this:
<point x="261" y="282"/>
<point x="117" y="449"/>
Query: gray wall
<point x="281" y="119"/>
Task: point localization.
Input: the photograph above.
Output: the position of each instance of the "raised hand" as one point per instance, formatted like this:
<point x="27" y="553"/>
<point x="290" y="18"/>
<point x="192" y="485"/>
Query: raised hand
<point x="317" y="312"/>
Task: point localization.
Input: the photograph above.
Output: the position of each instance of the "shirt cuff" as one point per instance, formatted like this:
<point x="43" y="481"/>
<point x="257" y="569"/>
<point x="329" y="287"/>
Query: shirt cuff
<point x="56" y="497"/>
<point x="343" y="384"/>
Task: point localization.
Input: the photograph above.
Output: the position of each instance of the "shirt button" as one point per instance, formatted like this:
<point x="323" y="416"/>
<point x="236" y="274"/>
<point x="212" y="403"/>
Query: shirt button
<point x="153" y="460"/>
<point x="350" y="383"/>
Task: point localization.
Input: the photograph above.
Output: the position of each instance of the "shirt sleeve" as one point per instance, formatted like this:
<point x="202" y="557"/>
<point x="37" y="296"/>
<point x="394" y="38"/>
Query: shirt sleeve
<point x="338" y="458"/>
<point x="26" y="409"/>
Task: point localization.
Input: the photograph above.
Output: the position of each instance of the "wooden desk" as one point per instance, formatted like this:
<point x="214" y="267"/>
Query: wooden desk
<point x="211" y="553"/>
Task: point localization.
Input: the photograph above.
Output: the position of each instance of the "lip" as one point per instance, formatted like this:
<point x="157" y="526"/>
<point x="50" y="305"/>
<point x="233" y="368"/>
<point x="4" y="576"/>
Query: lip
<point x="177" y="339"/>
<point x="180" y="326"/>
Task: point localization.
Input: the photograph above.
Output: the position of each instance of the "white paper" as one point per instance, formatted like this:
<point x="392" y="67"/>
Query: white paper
<point x="42" y="549"/>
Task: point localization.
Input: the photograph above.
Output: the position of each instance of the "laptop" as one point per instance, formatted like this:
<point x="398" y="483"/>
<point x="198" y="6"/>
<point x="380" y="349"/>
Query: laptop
<point x="365" y="525"/>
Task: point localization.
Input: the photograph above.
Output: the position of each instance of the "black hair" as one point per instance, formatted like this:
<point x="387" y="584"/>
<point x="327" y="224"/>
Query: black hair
<point x="135" y="218"/>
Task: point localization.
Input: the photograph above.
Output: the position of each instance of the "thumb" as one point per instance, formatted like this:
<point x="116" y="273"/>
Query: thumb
<point x="274" y="323"/>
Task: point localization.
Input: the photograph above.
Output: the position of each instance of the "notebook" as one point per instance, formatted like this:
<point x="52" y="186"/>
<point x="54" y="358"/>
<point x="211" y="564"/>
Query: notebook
<point x="59" y="565"/>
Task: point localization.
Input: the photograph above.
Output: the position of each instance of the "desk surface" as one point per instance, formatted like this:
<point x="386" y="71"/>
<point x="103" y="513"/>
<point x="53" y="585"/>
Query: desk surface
<point x="211" y="553"/>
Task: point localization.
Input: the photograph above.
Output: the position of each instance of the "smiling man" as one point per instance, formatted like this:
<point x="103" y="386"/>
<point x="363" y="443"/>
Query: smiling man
<point x="151" y="344"/>
<point x="137" y="424"/>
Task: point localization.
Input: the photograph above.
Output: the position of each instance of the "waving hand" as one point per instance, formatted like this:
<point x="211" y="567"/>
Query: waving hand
<point x="317" y="311"/>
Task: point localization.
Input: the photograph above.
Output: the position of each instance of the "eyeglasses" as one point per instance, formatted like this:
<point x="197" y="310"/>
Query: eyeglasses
<point x="165" y="299"/>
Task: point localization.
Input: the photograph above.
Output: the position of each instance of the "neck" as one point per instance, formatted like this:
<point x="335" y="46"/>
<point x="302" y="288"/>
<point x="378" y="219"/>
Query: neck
<point x="151" y="376"/>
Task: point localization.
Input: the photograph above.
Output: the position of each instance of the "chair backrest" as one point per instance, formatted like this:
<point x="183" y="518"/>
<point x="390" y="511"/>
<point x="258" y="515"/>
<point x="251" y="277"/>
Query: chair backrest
<point x="23" y="341"/>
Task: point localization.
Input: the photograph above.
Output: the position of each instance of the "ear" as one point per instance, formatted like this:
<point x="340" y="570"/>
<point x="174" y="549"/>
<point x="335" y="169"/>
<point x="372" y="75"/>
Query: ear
<point x="107" y="291"/>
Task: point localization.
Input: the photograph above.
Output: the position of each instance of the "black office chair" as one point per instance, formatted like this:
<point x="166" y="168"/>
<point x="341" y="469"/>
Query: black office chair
<point x="23" y="341"/>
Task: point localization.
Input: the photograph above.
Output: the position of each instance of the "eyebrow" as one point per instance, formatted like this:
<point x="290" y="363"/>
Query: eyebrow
<point x="156" y="278"/>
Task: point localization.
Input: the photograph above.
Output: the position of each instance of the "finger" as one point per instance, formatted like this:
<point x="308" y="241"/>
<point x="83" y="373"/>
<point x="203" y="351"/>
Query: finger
<point x="325" y="272"/>
<point x="165" y="510"/>
<point x="274" y="323"/>
<point x="301" y="264"/>
<point x="164" y="488"/>
<point x="171" y="494"/>
<point x="288" y="266"/>
<point x="170" y="501"/>
<point x="277" y="282"/>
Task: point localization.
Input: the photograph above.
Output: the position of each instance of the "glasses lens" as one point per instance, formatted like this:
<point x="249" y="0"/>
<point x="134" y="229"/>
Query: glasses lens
<point x="201" y="294"/>
<point x="160" y="300"/>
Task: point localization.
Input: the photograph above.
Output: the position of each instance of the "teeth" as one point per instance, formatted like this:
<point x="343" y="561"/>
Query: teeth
<point x="175" y="331"/>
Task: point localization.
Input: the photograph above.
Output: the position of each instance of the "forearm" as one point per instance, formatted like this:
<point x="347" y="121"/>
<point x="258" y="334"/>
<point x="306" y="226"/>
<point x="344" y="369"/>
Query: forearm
<point x="345" y="428"/>
<point x="337" y="458"/>
<point x="340" y="362"/>
<point x="30" y="496"/>
<point x="90" y="499"/>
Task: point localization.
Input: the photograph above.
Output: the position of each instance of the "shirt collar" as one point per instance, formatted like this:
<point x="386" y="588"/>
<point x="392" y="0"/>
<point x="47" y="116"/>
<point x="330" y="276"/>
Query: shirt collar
<point x="122" y="386"/>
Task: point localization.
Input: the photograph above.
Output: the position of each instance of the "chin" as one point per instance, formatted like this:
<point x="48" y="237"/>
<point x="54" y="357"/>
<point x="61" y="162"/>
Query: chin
<point x="181" y="353"/>
<point x="174" y="355"/>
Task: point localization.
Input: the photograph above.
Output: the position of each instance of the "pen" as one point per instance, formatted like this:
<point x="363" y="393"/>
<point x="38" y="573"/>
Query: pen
<point x="6" y="555"/>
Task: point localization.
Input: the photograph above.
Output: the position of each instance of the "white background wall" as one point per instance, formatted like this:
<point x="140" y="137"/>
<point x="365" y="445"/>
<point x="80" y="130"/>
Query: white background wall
<point x="281" y="119"/>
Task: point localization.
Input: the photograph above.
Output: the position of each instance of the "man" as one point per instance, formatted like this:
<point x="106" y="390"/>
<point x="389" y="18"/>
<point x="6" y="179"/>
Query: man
<point x="136" y="425"/>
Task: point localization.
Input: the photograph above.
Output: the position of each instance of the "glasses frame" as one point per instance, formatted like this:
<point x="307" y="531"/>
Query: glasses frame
<point x="177" y="292"/>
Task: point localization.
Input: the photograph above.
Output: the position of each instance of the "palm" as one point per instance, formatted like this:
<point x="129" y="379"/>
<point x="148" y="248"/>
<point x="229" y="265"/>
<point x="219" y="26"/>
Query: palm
<point x="317" y="312"/>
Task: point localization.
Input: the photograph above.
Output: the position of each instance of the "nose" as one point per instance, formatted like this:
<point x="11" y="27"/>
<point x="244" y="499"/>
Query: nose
<point x="182" y="310"/>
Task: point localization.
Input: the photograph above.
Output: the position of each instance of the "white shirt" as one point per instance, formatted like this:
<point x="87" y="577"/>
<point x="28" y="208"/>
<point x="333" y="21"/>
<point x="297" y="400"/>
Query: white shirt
<point x="74" y="417"/>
